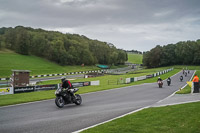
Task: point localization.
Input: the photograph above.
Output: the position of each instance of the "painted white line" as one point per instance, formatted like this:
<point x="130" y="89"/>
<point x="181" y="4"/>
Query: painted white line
<point x="177" y="103"/>
<point x="111" y="119"/>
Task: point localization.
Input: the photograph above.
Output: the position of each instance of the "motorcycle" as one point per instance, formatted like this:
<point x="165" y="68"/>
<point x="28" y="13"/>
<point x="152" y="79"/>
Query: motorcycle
<point x="65" y="97"/>
<point x="168" y="82"/>
<point x="181" y="78"/>
<point x="160" y="84"/>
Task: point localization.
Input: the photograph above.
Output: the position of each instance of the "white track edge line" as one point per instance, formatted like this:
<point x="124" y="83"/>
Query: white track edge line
<point x="176" y="103"/>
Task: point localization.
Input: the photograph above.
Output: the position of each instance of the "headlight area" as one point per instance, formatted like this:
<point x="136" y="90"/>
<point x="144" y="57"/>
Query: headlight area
<point x="57" y="91"/>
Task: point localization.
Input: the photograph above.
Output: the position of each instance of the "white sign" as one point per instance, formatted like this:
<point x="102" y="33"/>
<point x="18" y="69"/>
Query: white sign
<point x="95" y="82"/>
<point x="141" y="78"/>
<point x="128" y="80"/>
<point x="7" y="90"/>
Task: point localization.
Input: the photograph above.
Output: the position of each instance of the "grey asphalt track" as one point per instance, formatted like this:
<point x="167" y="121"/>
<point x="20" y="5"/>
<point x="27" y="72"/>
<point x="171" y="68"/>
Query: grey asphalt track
<point x="45" y="117"/>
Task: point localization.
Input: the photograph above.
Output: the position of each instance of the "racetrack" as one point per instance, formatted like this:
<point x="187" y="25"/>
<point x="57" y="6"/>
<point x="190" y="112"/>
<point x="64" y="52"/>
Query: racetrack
<point x="45" y="117"/>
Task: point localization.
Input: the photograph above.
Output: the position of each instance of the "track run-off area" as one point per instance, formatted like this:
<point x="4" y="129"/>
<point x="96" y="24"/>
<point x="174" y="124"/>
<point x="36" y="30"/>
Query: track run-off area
<point x="97" y="107"/>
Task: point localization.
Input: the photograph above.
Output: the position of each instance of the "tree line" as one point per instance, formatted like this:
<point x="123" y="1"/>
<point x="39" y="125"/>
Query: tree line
<point x="64" y="49"/>
<point x="181" y="53"/>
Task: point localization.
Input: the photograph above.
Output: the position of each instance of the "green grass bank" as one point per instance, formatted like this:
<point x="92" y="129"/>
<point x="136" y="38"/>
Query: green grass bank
<point x="183" y="118"/>
<point x="10" y="60"/>
<point x="135" y="58"/>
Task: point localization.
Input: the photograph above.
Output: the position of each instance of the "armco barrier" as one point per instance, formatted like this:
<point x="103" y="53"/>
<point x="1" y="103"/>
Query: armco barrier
<point x="60" y="74"/>
<point x="147" y="76"/>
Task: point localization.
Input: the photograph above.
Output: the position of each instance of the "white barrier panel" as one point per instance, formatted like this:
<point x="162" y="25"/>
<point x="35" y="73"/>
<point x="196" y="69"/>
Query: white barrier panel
<point x="154" y="74"/>
<point x="141" y="78"/>
<point x="135" y="79"/>
<point x="7" y="90"/>
<point x="95" y="82"/>
<point x="128" y="80"/>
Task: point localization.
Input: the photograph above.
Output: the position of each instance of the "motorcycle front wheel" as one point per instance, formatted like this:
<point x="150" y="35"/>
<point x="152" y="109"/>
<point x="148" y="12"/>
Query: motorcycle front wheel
<point x="78" y="99"/>
<point x="60" y="101"/>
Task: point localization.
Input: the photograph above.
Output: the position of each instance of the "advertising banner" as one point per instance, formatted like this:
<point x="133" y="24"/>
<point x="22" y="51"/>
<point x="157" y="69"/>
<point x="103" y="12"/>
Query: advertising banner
<point x="6" y="90"/>
<point x="78" y="84"/>
<point x="46" y="87"/>
<point x="141" y="78"/>
<point x="149" y="76"/>
<point x="86" y="83"/>
<point x="24" y="89"/>
<point x="128" y="80"/>
<point x="135" y="79"/>
<point x="95" y="82"/>
<point x="132" y="79"/>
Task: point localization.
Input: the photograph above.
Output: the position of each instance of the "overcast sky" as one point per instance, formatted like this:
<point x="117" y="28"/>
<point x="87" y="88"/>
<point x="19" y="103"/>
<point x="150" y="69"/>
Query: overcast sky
<point x="128" y="24"/>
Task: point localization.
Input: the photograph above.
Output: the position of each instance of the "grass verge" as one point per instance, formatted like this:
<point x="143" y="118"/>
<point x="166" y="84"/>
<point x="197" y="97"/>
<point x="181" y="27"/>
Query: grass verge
<point x="182" y="118"/>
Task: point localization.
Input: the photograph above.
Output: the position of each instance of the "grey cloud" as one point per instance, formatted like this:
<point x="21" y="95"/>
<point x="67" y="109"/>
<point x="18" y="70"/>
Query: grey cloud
<point x="126" y="23"/>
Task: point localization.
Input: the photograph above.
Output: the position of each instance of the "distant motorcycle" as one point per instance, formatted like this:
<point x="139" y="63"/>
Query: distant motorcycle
<point x="181" y="78"/>
<point x="160" y="84"/>
<point x="168" y="82"/>
<point x="64" y="97"/>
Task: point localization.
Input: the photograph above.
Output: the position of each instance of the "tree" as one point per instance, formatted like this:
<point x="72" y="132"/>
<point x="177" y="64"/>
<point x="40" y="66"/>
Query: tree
<point x="22" y="42"/>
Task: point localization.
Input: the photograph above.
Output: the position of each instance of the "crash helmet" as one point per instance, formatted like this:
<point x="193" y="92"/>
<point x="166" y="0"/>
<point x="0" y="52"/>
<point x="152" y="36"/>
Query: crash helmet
<point x="63" y="78"/>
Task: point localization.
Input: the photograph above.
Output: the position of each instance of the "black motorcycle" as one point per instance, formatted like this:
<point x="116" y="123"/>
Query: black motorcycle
<point x="168" y="82"/>
<point x="67" y="97"/>
<point x="181" y="78"/>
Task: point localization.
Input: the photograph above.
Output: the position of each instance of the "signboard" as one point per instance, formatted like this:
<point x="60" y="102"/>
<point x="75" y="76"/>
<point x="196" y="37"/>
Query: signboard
<point x="7" y="90"/>
<point x="149" y="76"/>
<point x="141" y="78"/>
<point x="78" y="84"/>
<point x="24" y="89"/>
<point x="86" y="83"/>
<point x="46" y="87"/>
<point x="95" y="82"/>
<point x="132" y="79"/>
<point x="128" y="80"/>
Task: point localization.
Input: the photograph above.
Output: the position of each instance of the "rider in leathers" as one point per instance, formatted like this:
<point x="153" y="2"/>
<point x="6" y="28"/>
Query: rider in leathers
<point x="66" y="84"/>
